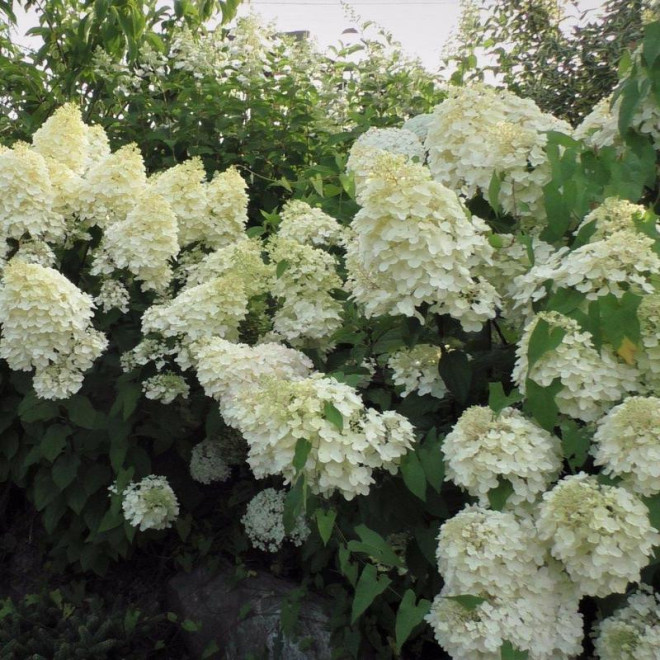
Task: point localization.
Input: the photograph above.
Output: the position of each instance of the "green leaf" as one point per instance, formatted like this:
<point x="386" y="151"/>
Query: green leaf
<point x="333" y="415"/>
<point x="456" y="373"/>
<point x="110" y="520"/>
<point x="651" y="43"/>
<point x="409" y="616"/>
<point x="45" y="490"/>
<point x="432" y="459"/>
<point x="470" y="603"/>
<point x="65" y="470"/>
<point x="540" y="402"/>
<point x="191" y="626"/>
<point x="325" y="521"/>
<point x="575" y="442"/>
<point x="564" y="301"/>
<point x="509" y="652"/>
<point x="303" y="447"/>
<point x="294" y="504"/>
<point x="210" y="649"/>
<point x="281" y="267"/>
<point x="82" y="413"/>
<point x="498" y="400"/>
<point x="497" y="497"/>
<point x="348" y="568"/>
<point x="374" y="545"/>
<point x="494" y="192"/>
<point x="618" y="318"/>
<point x="414" y="475"/>
<point x="544" y="338"/>
<point x="653" y="505"/>
<point x="33" y="409"/>
<point x="54" y="441"/>
<point x="369" y="586"/>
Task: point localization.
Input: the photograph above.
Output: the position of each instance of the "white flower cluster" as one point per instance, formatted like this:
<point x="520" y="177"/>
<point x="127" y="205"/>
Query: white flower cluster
<point x="143" y="243"/>
<point x="27" y="199"/>
<point x="627" y="444"/>
<point x="495" y="556"/>
<point x="481" y="131"/>
<point x="46" y="325"/>
<point x="150" y="503"/>
<point x="592" y="381"/>
<point x="600" y="127"/>
<point x="212" y="309"/>
<point x="268" y="394"/>
<point x="165" y="387"/>
<point x="113" y="295"/>
<point x="310" y="226"/>
<point x="612" y="215"/>
<point x="36" y="252"/>
<point x="149" y="350"/>
<point x="207" y="463"/>
<point x="633" y="631"/>
<point x="307" y="313"/>
<point x="242" y="259"/>
<point x="416" y="369"/>
<point x="648" y="360"/>
<point x="601" y="534"/>
<point x="213" y="213"/>
<point x="264" y="522"/>
<point x="110" y="187"/>
<point x="419" y="125"/>
<point x="415" y="243"/>
<point x="484" y="448"/>
<point x="368" y="145"/>
<point x="623" y="261"/>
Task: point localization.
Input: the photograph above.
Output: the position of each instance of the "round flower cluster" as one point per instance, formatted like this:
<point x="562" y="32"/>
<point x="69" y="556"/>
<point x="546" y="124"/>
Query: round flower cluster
<point x="416" y="369"/>
<point x="111" y="186"/>
<point x="484" y="448"/>
<point x="648" y="359"/>
<point x="27" y="202"/>
<point x="207" y="463"/>
<point x="150" y="503"/>
<point x="165" y="387"/>
<point x="415" y="243"/>
<point x="392" y="140"/>
<point x="214" y="308"/>
<point x="632" y="632"/>
<point x="627" y="444"/>
<point x="46" y="325"/>
<point x="624" y="261"/>
<point x="479" y="132"/>
<point x="601" y="534"/>
<point x="113" y="295"/>
<point x="612" y="215"/>
<point x="541" y="618"/>
<point x="591" y="380"/>
<point x="307" y="313"/>
<point x="264" y="522"/>
<point x="487" y="551"/>
<point x="348" y="442"/>
<point x="143" y="243"/>
<point x="310" y="226"/>
<point x="227" y="204"/>
<point x="36" y="252"/>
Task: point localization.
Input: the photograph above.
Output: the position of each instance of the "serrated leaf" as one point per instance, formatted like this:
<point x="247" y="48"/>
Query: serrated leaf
<point x="110" y="520"/>
<point x="294" y="504"/>
<point x="303" y="447"/>
<point x="368" y="588"/>
<point x="497" y="497"/>
<point x="325" y="521"/>
<point x="82" y="413"/>
<point x="414" y="475"/>
<point x="432" y="460"/>
<point x="333" y="415"/>
<point x="408" y="616"/>
<point x="281" y="268"/>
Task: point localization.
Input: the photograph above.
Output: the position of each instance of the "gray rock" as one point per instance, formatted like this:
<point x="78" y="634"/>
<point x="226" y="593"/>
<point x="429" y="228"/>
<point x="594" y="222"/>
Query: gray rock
<point x="243" y="618"/>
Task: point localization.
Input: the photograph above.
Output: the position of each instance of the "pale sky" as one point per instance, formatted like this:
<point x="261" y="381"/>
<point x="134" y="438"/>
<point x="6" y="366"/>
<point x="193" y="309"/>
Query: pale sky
<point x="422" y="26"/>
